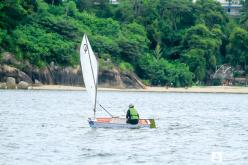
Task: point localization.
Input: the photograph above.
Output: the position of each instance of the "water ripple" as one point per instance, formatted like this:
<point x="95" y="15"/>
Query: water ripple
<point x="50" y="127"/>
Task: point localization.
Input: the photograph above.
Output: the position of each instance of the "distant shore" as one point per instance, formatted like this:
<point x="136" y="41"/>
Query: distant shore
<point x="195" y="89"/>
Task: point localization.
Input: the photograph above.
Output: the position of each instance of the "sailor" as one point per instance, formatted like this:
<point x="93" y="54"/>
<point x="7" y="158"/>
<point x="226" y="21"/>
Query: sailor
<point x="132" y="115"/>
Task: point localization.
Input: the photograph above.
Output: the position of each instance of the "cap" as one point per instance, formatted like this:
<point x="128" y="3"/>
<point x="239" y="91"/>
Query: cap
<point x="131" y="105"/>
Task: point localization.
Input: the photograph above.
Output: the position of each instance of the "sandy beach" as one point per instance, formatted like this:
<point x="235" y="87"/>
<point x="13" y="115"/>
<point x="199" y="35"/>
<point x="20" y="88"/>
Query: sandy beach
<point x="207" y="89"/>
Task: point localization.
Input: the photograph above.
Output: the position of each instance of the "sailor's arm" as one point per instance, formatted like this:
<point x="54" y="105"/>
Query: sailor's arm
<point x="128" y="114"/>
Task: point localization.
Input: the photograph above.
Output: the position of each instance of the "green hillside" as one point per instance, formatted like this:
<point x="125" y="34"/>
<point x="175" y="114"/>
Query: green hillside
<point x="165" y="42"/>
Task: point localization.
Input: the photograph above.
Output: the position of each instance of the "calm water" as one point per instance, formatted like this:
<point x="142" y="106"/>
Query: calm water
<point x="50" y="128"/>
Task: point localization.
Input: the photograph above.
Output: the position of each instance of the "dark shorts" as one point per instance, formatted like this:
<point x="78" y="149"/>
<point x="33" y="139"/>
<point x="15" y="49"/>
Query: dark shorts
<point x="134" y="121"/>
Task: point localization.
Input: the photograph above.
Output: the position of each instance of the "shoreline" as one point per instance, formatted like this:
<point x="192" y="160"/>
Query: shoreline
<point x="194" y="89"/>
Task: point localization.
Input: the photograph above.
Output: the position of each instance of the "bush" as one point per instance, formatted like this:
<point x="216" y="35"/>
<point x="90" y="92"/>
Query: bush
<point x="146" y="82"/>
<point x="216" y="82"/>
<point x="162" y="72"/>
<point x="105" y="64"/>
<point x="37" y="45"/>
<point x="126" y="67"/>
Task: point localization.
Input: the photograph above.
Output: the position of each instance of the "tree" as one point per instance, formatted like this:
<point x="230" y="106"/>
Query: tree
<point x="2" y="35"/>
<point x="207" y="43"/>
<point x="164" y="41"/>
<point x="71" y="9"/>
<point x="84" y="4"/>
<point x="238" y="48"/>
<point x="162" y="72"/>
<point x="244" y="14"/>
<point x="103" y="8"/>
<point x="196" y="61"/>
<point x="12" y="13"/>
<point x="124" y="12"/>
<point x="54" y="2"/>
<point x="39" y="46"/>
<point x="133" y="43"/>
<point x="158" y="52"/>
<point x="210" y="13"/>
<point x="102" y="45"/>
<point x="177" y="13"/>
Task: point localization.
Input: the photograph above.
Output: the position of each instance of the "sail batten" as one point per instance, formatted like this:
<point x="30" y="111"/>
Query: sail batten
<point x="89" y="69"/>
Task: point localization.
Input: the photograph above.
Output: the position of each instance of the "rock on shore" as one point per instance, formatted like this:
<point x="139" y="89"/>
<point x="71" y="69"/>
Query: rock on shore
<point x="3" y="86"/>
<point x="11" y="83"/>
<point x="22" y="85"/>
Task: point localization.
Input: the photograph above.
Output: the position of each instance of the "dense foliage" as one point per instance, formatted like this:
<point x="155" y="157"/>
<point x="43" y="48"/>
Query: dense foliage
<point x="165" y="42"/>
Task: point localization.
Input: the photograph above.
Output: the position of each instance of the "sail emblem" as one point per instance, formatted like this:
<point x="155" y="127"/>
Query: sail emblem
<point x="85" y="48"/>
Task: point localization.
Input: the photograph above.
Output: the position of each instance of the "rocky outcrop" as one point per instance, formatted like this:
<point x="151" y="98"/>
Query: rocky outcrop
<point x="115" y="79"/>
<point x="109" y="78"/>
<point x="130" y="80"/>
<point x="9" y="59"/>
<point x="11" y="83"/>
<point x="10" y="71"/>
<point x="58" y="75"/>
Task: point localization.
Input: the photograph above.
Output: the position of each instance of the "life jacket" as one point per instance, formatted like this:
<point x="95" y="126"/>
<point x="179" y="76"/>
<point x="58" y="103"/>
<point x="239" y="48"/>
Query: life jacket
<point x="133" y="114"/>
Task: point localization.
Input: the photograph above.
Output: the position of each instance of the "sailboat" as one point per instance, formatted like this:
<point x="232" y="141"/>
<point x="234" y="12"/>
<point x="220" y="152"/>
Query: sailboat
<point x="89" y="67"/>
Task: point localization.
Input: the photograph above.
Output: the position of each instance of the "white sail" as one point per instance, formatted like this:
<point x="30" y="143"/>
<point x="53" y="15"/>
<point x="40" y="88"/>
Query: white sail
<point x="89" y="69"/>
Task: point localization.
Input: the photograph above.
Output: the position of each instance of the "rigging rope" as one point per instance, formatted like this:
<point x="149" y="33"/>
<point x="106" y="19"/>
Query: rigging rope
<point x="105" y="109"/>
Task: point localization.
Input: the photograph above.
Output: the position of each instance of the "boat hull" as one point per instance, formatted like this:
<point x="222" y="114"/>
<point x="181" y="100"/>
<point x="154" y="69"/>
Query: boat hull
<point x="120" y="123"/>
